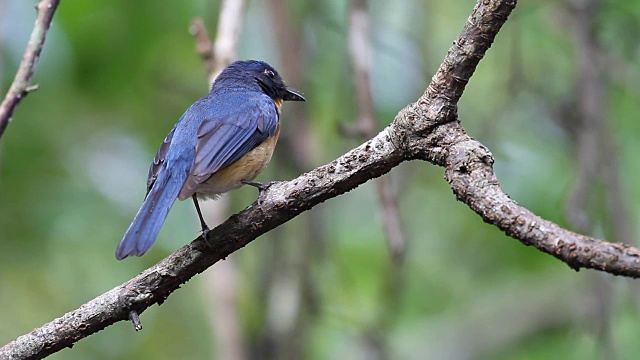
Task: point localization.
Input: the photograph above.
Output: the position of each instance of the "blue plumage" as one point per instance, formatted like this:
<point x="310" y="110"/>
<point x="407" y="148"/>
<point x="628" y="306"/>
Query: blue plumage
<point x="223" y="139"/>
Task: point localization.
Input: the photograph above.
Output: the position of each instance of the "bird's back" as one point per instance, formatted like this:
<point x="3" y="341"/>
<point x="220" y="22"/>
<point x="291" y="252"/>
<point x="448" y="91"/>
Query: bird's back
<point x="221" y="128"/>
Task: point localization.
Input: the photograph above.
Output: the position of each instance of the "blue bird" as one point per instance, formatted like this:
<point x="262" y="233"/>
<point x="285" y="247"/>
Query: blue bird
<point x="223" y="141"/>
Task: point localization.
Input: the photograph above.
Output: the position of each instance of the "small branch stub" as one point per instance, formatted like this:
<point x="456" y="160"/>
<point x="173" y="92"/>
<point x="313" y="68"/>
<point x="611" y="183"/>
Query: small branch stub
<point x="135" y="319"/>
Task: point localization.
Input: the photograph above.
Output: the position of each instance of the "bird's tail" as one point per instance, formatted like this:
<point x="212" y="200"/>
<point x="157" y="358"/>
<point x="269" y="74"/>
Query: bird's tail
<point x="145" y="227"/>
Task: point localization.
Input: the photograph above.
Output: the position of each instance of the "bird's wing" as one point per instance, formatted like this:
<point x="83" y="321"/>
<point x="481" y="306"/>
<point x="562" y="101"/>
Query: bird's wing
<point x="159" y="159"/>
<point x="223" y="138"/>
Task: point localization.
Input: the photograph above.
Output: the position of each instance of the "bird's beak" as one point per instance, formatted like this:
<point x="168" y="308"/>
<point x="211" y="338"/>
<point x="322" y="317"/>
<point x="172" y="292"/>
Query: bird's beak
<point x="292" y="95"/>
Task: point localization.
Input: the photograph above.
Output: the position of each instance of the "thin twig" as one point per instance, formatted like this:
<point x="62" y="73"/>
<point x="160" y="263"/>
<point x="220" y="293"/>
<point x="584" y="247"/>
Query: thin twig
<point x="375" y="338"/>
<point x="360" y="49"/>
<point x="597" y="161"/>
<point x="229" y="27"/>
<point x="21" y="86"/>
<point x="204" y="46"/>
<point x="289" y="269"/>
<point x="219" y="54"/>
<point x="296" y="139"/>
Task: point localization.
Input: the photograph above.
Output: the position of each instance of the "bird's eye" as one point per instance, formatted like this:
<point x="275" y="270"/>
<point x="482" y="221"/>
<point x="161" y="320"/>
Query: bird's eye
<point x="269" y="73"/>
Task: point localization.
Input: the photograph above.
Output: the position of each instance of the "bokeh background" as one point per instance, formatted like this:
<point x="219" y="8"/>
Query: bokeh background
<point x="116" y="75"/>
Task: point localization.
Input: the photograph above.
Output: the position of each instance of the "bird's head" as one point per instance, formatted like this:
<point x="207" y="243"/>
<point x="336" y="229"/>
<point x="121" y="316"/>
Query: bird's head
<point x="265" y="76"/>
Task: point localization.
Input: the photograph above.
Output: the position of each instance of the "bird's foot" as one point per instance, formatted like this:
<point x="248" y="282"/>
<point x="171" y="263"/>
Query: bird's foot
<point x="205" y="235"/>
<point x="262" y="187"/>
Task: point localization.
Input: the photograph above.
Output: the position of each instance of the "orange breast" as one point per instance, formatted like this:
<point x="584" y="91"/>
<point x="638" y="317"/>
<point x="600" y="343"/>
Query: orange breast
<point x="278" y="104"/>
<point x="247" y="167"/>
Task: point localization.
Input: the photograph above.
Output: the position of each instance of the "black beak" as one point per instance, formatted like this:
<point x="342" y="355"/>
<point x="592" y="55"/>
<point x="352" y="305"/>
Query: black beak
<point x="292" y="95"/>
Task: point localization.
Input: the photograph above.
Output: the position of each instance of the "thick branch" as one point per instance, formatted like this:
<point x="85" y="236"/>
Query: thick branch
<point x="439" y="102"/>
<point x="282" y="202"/>
<point x="429" y="129"/>
<point x="473" y="181"/>
<point x="21" y="83"/>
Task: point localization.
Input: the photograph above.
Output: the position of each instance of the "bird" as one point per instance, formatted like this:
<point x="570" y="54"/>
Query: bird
<point x="221" y="142"/>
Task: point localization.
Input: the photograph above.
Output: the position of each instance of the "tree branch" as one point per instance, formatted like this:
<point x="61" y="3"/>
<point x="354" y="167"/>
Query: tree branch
<point x="220" y="53"/>
<point x="430" y="130"/>
<point x="426" y="130"/>
<point x="20" y="86"/>
<point x="204" y="46"/>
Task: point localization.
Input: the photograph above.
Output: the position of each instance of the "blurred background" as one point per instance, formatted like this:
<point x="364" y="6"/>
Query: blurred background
<point x="395" y="269"/>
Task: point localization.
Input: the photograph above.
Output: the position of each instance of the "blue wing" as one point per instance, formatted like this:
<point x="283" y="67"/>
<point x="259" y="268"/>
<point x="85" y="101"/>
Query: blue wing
<point x="156" y="166"/>
<point x="229" y="132"/>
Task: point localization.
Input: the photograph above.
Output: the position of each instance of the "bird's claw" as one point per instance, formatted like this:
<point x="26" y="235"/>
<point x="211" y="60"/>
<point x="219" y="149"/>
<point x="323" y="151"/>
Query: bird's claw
<point x="205" y="235"/>
<point x="261" y="186"/>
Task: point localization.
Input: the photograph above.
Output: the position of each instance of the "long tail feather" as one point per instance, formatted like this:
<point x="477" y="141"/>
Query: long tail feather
<point x="144" y="229"/>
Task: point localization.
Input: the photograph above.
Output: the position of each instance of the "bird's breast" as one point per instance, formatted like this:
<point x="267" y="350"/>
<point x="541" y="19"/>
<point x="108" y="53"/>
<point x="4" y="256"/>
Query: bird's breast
<point x="248" y="167"/>
<point x="278" y="103"/>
